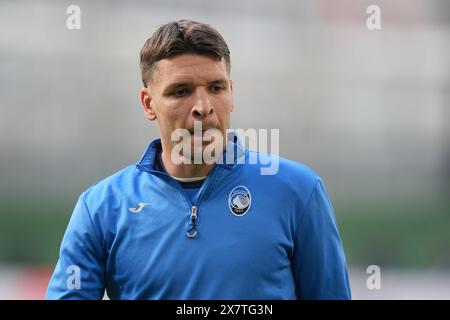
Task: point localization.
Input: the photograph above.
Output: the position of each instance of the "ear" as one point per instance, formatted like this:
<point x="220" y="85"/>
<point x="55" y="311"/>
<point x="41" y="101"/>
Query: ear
<point x="147" y="104"/>
<point x="232" y="96"/>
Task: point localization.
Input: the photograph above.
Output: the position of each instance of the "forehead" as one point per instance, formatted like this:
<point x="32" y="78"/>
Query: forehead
<point x="190" y="68"/>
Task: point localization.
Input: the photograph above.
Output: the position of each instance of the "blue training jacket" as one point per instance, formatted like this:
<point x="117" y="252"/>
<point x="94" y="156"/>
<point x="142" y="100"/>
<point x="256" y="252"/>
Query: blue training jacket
<point x="137" y="235"/>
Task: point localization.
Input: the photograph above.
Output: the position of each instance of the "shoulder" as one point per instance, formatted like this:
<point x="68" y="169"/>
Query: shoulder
<point x="109" y="189"/>
<point x="299" y="190"/>
<point x="289" y="181"/>
<point x="282" y="170"/>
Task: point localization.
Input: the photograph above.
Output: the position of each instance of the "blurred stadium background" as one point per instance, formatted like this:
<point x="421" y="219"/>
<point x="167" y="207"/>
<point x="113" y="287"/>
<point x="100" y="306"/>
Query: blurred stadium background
<point x="368" y="110"/>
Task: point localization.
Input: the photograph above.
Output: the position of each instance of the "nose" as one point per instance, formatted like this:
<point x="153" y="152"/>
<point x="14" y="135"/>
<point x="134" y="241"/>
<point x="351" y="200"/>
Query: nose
<point x="202" y="107"/>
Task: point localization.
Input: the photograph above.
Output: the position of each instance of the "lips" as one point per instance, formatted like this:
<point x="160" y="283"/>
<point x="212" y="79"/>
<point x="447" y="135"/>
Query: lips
<point x="191" y="131"/>
<point x="206" y="136"/>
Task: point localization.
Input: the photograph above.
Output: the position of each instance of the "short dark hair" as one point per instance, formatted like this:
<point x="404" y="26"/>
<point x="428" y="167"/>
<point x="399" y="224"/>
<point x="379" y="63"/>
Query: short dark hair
<point x="178" y="37"/>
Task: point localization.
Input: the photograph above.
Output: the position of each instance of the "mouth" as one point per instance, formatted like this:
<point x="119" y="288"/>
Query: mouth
<point x="206" y="136"/>
<point x="202" y="132"/>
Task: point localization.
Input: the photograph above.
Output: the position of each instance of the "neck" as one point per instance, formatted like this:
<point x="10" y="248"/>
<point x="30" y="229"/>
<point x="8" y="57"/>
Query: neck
<point x="184" y="170"/>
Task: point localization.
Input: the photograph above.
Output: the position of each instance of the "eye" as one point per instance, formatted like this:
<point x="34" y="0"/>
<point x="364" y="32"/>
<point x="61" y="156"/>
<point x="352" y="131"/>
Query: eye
<point x="180" y="92"/>
<point x="217" y="88"/>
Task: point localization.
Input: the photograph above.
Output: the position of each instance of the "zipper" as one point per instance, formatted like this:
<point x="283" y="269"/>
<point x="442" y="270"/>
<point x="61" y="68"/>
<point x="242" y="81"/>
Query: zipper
<point x="193" y="210"/>
<point x="192" y="232"/>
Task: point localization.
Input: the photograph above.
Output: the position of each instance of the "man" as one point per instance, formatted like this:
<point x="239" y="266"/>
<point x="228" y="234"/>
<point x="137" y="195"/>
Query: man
<point x="170" y="227"/>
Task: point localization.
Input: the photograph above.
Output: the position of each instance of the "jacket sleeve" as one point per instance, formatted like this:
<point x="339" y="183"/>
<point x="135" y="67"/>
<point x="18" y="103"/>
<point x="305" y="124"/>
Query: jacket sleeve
<point x="80" y="270"/>
<point x="319" y="265"/>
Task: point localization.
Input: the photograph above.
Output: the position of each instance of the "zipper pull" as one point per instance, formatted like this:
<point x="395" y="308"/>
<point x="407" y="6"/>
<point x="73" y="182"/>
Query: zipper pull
<point x="192" y="232"/>
<point x="194" y="215"/>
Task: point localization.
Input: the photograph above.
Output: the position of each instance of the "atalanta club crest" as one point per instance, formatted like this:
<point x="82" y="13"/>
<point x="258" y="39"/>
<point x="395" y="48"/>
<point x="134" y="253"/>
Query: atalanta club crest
<point x="239" y="201"/>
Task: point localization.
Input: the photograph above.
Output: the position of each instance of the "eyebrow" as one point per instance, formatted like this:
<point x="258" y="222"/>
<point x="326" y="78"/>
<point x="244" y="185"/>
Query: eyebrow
<point x="182" y="84"/>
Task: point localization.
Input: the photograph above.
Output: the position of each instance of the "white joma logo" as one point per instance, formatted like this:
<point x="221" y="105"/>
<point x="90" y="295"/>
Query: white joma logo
<point x="141" y="206"/>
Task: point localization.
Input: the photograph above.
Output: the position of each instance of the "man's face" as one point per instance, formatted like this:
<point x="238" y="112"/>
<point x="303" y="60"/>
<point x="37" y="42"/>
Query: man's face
<point x="188" y="88"/>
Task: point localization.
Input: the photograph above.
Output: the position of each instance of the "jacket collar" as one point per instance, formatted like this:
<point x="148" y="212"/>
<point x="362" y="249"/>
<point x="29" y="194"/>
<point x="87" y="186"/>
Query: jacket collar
<point x="234" y="154"/>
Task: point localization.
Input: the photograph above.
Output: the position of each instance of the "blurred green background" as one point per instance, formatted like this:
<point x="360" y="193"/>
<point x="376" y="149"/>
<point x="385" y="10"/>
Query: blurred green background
<point x="405" y="235"/>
